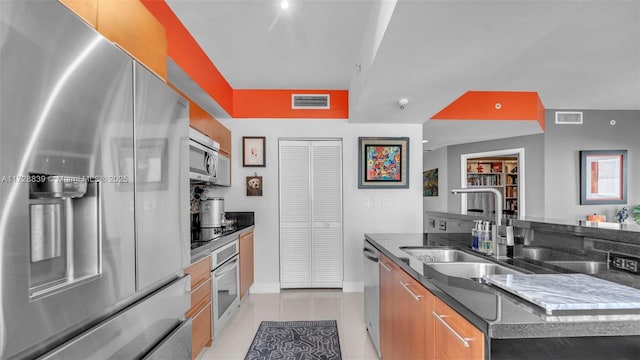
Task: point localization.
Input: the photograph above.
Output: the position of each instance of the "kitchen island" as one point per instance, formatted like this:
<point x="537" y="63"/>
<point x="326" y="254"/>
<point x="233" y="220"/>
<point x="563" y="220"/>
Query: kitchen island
<point x="513" y="327"/>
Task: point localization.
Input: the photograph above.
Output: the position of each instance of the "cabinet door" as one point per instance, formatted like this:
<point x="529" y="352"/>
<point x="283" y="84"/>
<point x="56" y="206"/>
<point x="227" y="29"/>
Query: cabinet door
<point x="246" y="262"/>
<point x="414" y="328"/>
<point x="201" y="333"/>
<point x="207" y="124"/>
<point x="456" y="338"/>
<point x="388" y="346"/>
<point x="132" y="26"/>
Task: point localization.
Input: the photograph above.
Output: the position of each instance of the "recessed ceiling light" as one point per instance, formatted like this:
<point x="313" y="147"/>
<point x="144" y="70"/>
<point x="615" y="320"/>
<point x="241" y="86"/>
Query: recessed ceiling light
<point x="284" y="4"/>
<point x="425" y="141"/>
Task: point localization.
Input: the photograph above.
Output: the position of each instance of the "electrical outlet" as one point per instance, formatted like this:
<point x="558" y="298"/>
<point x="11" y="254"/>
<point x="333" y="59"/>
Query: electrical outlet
<point x="624" y="262"/>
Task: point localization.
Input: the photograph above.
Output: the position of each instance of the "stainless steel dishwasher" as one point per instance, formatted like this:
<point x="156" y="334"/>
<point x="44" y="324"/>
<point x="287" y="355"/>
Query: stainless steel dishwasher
<point x="372" y="293"/>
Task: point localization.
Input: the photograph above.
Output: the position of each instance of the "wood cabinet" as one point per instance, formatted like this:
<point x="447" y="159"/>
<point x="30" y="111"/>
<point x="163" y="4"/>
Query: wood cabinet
<point x="131" y="26"/>
<point x="200" y="311"/>
<point x="208" y="125"/>
<point x="415" y="328"/>
<point x="455" y="337"/>
<point x="406" y="332"/>
<point x="414" y="324"/>
<point x="388" y="271"/>
<point x="246" y="262"/>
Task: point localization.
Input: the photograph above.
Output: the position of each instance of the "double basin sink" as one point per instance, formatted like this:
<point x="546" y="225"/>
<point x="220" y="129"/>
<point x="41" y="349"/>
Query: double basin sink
<point x="457" y="263"/>
<point x="452" y="262"/>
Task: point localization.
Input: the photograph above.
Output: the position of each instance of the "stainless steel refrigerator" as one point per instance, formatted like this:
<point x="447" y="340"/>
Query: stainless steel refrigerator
<point x="94" y="203"/>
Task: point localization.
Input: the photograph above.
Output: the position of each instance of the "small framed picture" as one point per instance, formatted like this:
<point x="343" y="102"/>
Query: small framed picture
<point x="253" y="151"/>
<point x="254" y="185"/>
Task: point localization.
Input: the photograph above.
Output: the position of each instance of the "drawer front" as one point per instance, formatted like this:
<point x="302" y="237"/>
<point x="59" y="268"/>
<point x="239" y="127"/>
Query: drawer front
<point x="455" y="337"/>
<point x="199" y="271"/>
<point x="200" y="296"/>
<point x="201" y="335"/>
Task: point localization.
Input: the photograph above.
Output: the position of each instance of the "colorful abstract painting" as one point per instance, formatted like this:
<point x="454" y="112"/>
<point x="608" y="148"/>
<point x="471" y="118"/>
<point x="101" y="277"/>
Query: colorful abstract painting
<point x="383" y="162"/>
<point x="430" y="182"/>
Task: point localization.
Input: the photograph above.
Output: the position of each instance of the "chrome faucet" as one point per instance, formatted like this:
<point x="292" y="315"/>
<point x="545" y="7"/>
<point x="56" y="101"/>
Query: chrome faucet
<point x="497" y="198"/>
<point x="500" y="243"/>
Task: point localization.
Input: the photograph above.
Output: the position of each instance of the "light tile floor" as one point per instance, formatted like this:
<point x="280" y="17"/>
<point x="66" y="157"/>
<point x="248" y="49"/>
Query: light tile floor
<point x="346" y="308"/>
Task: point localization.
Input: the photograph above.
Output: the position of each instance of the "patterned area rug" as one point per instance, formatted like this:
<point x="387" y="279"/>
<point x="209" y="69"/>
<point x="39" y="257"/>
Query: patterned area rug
<point x="299" y="340"/>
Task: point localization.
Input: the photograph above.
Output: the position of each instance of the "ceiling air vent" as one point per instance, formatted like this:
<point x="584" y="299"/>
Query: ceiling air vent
<point x="309" y="101"/>
<point x="569" y="117"/>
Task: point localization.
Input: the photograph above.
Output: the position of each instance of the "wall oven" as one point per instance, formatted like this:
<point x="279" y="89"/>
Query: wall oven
<point x="225" y="292"/>
<point x="203" y="157"/>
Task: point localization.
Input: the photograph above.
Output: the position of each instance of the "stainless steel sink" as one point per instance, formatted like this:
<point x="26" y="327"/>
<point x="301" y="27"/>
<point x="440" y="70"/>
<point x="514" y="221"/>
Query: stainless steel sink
<point x="544" y="254"/>
<point x="585" y="267"/>
<point x="472" y="269"/>
<point x="442" y="255"/>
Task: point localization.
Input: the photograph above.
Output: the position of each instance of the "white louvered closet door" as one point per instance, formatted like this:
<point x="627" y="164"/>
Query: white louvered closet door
<point x="295" y="213"/>
<point x="310" y="182"/>
<point x="326" y="213"/>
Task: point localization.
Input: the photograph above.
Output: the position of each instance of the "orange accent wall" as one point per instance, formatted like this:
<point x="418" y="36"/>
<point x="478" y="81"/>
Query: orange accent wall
<point x="277" y="104"/>
<point x="541" y="115"/>
<point x="481" y="105"/>
<point x="185" y="51"/>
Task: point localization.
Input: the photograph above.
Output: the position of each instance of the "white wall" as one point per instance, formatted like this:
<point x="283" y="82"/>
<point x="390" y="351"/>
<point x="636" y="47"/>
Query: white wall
<point x="436" y="159"/>
<point x="403" y="211"/>
<point x="562" y="147"/>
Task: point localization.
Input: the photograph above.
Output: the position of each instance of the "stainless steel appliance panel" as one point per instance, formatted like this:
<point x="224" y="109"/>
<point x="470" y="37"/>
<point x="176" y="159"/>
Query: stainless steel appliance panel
<point x="162" y="190"/>
<point x="65" y="99"/>
<point x="225" y="293"/>
<point x="225" y="285"/>
<point x="176" y="346"/>
<point x="136" y="331"/>
<point x="223" y="171"/>
<point x="372" y="293"/>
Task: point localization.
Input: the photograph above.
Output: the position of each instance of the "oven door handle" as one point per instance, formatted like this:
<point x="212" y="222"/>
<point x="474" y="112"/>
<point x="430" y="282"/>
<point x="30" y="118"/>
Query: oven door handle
<point x="219" y="272"/>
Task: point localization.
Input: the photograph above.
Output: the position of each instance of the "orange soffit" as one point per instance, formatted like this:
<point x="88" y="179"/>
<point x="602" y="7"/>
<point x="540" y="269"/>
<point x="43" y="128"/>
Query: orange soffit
<point x="186" y="53"/>
<point x="277" y="104"/>
<point x="495" y="105"/>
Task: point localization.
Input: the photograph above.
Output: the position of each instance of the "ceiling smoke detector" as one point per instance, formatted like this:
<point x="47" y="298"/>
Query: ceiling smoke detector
<point x="403" y="103"/>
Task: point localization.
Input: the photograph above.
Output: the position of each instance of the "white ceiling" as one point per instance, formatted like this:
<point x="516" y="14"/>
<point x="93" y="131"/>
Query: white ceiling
<point x="576" y="54"/>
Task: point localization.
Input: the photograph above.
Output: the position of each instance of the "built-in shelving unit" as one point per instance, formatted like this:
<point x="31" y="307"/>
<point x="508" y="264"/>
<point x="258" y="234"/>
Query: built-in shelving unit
<point x="500" y="173"/>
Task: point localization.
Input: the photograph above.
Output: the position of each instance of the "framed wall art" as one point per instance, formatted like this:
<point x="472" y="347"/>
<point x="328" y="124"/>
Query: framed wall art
<point x="603" y="177"/>
<point x="253" y="151"/>
<point x="430" y="182"/>
<point x="254" y="185"/>
<point x="383" y="163"/>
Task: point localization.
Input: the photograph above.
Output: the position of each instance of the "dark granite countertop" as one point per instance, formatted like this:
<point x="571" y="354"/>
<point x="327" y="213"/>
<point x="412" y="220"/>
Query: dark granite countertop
<point x="501" y="315"/>
<point x="207" y="247"/>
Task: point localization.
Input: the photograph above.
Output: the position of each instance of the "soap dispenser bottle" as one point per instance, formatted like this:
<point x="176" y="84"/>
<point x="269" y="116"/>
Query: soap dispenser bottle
<point x="486" y="243"/>
<point x="475" y="235"/>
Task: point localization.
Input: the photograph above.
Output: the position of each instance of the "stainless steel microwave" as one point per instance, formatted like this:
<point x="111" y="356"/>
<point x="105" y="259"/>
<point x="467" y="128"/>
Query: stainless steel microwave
<point x="203" y="156"/>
